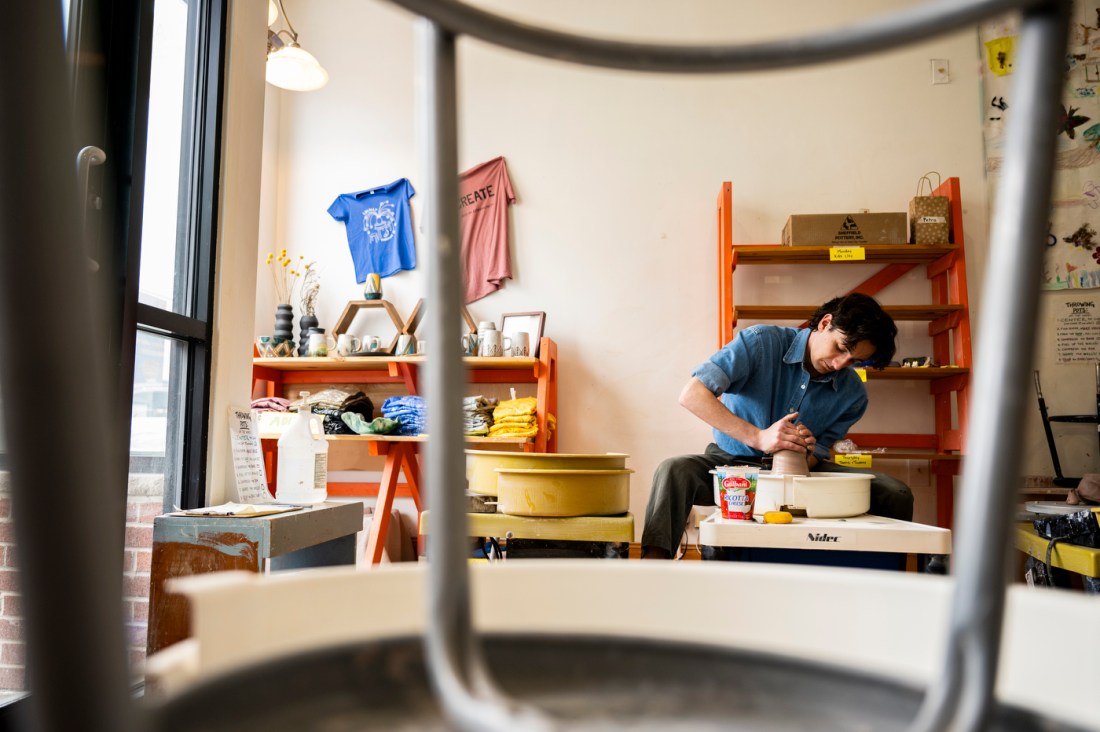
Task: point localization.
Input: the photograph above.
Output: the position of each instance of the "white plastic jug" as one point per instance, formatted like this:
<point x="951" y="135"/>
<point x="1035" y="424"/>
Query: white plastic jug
<point x="303" y="460"/>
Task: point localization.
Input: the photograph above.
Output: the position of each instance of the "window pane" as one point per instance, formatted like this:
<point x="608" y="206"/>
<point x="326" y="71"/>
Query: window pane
<point x="164" y="276"/>
<point x="157" y="408"/>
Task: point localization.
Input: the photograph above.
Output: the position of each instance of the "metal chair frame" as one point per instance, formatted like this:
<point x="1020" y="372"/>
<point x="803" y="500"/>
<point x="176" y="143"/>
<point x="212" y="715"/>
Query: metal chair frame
<point x="80" y="676"/>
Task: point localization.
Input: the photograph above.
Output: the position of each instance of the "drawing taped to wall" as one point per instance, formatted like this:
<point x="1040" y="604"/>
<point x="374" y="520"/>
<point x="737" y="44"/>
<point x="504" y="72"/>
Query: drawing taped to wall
<point x="1072" y="246"/>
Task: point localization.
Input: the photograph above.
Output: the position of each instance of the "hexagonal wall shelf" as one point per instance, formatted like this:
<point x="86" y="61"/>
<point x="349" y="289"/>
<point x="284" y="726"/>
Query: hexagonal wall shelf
<point x="352" y="309"/>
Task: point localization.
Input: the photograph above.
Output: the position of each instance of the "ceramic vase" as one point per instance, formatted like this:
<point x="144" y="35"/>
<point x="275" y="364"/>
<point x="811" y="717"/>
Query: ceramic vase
<point x="304" y="324"/>
<point x="372" y="288"/>
<point x="284" y="323"/>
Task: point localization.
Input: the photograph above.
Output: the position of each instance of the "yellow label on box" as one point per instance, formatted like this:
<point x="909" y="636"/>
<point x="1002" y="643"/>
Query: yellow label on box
<point x="862" y="374"/>
<point x="853" y="461"/>
<point x="846" y="254"/>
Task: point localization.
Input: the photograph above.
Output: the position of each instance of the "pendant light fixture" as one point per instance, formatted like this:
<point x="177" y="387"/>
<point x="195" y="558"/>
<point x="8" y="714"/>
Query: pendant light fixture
<point x="289" y="66"/>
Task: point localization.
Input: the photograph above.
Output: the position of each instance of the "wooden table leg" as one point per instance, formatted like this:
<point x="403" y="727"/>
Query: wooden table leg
<point x="412" y="473"/>
<point x="387" y="488"/>
<point x="400" y="457"/>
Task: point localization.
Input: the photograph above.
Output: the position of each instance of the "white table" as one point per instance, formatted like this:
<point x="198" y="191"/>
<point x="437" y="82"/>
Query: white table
<point x="858" y="541"/>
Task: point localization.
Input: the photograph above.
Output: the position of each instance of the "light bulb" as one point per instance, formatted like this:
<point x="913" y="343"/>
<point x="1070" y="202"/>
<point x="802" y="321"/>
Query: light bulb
<point x="294" y="68"/>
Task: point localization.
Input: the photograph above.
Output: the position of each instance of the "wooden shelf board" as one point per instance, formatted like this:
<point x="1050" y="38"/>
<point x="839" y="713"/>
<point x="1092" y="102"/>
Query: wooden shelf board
<point x="575" y="528"/>
<point x="381" y="363"/>
<point x="408" y="438"/>
<point x="819" y="254"/>
<point x="902" y="454"/>
<point x="804" y="312"/>
<point x="901" y="373"/>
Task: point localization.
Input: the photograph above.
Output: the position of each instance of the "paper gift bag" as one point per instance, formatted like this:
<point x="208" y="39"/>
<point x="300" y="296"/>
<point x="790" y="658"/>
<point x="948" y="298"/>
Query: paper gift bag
<point x="929" y="216"/>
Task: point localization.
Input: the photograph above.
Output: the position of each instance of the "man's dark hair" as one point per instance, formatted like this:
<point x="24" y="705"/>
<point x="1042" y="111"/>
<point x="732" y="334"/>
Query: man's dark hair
<point x="861" y="318"/>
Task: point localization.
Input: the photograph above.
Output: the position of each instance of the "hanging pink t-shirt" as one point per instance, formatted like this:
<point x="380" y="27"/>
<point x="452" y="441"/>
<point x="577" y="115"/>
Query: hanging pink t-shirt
<point x="484" y="193"/>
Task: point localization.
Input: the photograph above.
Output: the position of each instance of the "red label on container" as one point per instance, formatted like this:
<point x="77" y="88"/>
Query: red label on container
<point x="736" y="482"/>
<point x="737" y="491"/>
<point x="737" y="501"/>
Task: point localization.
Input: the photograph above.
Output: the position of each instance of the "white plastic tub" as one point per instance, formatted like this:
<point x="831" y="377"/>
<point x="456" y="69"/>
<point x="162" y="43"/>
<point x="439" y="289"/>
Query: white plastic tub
<point x="833" y="495"/>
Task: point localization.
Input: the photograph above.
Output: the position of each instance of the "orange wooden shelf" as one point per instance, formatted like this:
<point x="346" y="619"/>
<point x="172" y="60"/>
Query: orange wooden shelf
<point x="401" y="453"/>
<point x="803" y="312"/>
<point x="819" y="254"/>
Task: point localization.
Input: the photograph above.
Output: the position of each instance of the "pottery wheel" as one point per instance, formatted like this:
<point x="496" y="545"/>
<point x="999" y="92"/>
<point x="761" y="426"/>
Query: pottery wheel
<point x="584" y="683"/>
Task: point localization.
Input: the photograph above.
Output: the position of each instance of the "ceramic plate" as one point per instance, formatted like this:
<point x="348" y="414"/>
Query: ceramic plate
<point x="1053" y="507"/>
<point x="361" y="354"/>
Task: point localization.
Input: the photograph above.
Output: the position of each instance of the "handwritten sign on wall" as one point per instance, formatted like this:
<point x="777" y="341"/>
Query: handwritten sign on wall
<point x="1078" y="332"/>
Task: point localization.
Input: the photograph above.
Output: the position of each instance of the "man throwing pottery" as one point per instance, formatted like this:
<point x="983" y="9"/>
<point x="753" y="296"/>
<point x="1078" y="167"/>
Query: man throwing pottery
<point x="774" y="388"/>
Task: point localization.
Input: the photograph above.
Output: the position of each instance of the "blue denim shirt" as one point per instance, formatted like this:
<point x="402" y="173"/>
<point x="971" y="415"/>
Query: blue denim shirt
<point x="759" y="377"/>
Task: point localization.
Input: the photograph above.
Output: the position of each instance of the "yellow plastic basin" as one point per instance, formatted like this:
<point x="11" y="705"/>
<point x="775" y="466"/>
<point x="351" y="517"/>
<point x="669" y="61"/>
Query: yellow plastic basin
<point x="481" y="465"/>
<point x="529" y="492"/>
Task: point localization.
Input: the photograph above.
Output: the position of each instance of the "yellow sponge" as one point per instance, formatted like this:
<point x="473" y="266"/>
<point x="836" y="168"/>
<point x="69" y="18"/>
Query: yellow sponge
<point x="777" y="517"/>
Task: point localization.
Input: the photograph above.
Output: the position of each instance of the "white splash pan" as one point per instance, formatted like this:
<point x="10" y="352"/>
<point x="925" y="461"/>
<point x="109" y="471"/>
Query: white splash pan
<point x="890" y="624"/>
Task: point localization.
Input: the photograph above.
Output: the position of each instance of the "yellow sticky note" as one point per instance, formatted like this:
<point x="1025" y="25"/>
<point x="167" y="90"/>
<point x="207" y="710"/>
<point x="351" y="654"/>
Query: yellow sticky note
<point x="846" y="254"/>
<point x="1001" y="55"/>
<point x="853" y="461"/>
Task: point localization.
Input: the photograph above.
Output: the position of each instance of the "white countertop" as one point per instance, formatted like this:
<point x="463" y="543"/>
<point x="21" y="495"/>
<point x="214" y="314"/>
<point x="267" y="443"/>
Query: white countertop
<point x="864" y="533"/>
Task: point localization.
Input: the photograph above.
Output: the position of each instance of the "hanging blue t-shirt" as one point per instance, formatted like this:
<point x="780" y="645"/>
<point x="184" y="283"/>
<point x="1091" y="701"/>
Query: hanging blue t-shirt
<point x="379" y="228"/>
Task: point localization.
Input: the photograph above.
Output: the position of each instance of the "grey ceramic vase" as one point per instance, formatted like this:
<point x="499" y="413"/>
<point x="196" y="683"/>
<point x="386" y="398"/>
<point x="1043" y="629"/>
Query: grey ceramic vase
<point x="284" y="323"/>
<point x="304" y="324"/>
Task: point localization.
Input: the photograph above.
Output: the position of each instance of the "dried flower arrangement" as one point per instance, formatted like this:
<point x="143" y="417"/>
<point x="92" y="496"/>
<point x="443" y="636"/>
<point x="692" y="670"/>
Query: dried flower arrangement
<point x="311" y="288"/>
<point x="283" y="275"/>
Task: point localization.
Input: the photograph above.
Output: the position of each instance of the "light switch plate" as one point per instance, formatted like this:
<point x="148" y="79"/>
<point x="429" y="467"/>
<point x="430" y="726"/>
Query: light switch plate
<point x="941" y="71"/>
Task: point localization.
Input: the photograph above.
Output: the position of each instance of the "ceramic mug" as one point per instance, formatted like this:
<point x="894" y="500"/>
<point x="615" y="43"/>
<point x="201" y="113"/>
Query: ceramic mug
<point x="482" y="328"/>
<point x="283" y="348"/>
<point x="405" y="345"/>
<point x="521" y="344"/>
<point x="347" y="343"/>
<point x="372" y="343"/>
<point x="421" y="348"/>
<point x="469" y="344"/>
<point x="493" y="343"/>
<point x="264" y="347"/>
<point x="319" y="343"/>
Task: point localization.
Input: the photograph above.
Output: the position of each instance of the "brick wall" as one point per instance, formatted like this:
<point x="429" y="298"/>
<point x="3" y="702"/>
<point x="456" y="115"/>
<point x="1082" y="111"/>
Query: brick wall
<point x="12" y="648"/>
<point x="144" y="501"/>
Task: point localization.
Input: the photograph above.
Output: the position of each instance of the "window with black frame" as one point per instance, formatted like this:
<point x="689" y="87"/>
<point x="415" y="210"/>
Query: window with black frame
<point x="153" y="109"/>
<point x="173" y="296"/>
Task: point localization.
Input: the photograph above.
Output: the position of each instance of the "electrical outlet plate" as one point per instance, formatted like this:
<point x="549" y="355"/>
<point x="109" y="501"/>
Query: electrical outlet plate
<point x="941" y="71"/>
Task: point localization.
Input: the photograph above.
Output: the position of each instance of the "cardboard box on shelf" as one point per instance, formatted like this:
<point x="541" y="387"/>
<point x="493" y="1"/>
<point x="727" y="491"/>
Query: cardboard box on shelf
<point x="845" y="229"/>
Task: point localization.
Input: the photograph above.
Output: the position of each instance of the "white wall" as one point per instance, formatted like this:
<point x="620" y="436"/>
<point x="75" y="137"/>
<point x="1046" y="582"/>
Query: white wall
<point x="617" y="175"/>
<point x="1067" y="389"/>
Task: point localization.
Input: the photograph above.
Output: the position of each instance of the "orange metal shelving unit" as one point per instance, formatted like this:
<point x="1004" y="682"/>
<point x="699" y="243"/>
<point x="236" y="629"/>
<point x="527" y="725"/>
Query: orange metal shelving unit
<point x="947" y="314"/>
